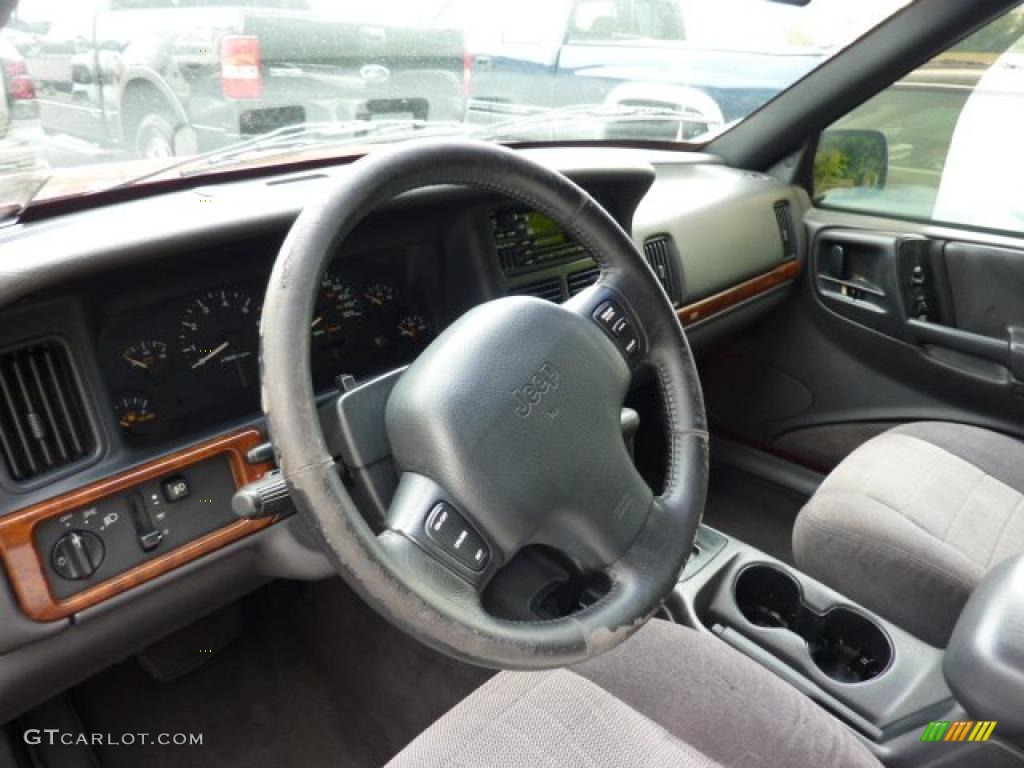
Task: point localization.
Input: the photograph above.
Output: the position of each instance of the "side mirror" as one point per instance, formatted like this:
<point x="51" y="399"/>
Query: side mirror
<point x="850" y="159"/>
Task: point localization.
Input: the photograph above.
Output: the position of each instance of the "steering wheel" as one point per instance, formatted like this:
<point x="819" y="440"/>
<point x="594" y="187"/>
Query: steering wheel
<point x="505" y="431"/>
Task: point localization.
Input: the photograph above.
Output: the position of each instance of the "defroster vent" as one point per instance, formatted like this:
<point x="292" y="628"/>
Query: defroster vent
<point x="43" y="424"/>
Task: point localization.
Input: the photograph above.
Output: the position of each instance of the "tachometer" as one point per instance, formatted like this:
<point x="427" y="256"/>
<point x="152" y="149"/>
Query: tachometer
<point x="219" y="337"/>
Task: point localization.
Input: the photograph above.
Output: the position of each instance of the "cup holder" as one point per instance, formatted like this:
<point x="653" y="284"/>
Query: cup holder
<point x="846" y="646"/>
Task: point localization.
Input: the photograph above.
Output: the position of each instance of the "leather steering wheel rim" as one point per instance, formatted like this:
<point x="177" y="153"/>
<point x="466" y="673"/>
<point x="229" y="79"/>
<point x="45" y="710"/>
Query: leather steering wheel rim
<point x="419" y="591"/>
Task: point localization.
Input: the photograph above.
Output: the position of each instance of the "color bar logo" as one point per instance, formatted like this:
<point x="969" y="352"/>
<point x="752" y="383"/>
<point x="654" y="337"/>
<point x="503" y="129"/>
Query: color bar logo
<point x="958" y="730"/>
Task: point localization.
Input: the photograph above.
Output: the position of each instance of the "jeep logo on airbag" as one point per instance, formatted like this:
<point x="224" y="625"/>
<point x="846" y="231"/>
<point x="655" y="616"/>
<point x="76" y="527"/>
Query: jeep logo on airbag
<point x="544" y="380"/>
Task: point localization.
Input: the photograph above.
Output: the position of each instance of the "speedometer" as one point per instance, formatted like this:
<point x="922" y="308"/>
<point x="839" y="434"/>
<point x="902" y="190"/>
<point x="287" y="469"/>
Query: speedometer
<point x="339" y="313"/>
<point x="219" y="337"/>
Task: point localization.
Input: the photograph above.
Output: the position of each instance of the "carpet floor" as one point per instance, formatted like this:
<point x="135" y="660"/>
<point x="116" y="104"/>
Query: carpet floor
<point x="315" y="678"/>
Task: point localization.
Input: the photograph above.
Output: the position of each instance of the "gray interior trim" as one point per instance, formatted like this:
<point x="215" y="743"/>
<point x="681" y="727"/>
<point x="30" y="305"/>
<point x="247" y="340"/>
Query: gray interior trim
<point x="722" y="221"/>
<point x="766" y="466"/>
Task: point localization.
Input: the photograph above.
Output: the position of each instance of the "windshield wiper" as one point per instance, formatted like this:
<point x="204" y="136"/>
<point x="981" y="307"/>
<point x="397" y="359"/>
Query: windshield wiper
<point x="288" y="139"/>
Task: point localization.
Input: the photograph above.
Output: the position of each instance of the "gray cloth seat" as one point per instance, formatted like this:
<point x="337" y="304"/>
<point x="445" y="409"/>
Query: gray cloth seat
<point x="909" y="523"/>
<point x="668" y="696"/>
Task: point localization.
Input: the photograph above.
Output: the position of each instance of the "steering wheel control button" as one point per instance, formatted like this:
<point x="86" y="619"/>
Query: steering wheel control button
<point x="448" y="529"/>
<point x="77" y="555"/>
<point x="610" y="316"/>
<point x="175" y="488"/>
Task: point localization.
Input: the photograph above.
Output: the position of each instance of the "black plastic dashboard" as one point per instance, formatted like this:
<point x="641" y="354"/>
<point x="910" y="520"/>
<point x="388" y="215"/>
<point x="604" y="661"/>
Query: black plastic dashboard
<point x="178" y="347"/>
<point x="157" y="303"/>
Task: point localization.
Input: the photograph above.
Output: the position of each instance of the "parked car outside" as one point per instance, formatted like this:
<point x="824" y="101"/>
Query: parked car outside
<point x="159" y="78"/>
<point x="21" y="167"/>
<point x="660" y="57"/>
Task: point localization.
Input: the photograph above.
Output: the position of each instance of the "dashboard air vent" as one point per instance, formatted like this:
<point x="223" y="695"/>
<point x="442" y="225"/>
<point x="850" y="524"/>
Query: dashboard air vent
<point x="583" y="279"/>
<point x="784" y="218"/>
<point x="549" y="290"/>
<point x="661" y="254"/>
<point x="43" y="425"/>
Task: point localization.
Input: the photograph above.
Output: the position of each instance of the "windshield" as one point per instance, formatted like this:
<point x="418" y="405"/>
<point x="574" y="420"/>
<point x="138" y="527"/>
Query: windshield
<point x="102" y="93"/>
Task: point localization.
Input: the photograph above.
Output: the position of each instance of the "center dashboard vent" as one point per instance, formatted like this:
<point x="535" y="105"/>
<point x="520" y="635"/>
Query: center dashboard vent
<point x="43" y="422"/>
<point x="549" y="290"/>
<point x="583" y="279"/>
<point x="660" y="252"/>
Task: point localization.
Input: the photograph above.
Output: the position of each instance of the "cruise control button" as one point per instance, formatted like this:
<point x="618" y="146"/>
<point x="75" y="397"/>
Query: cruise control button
<point x="617" y="323"/>
<point x="607" y="314"/>
<point x="448" y="529"/>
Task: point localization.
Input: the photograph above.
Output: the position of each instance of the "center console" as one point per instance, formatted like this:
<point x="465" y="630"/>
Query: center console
<point x="885" y="684"/>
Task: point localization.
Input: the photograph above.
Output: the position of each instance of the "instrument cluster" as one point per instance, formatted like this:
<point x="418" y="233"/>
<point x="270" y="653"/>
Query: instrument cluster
<point x="174" y="366"/>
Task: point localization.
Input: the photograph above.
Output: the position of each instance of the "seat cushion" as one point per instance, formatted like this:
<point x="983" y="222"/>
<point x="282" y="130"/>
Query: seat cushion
<point x="669" y="696"/>
<point x="909" y="523"/>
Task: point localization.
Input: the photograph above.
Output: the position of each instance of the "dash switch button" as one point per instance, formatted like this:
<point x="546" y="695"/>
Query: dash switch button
<point x="175" y="488"/>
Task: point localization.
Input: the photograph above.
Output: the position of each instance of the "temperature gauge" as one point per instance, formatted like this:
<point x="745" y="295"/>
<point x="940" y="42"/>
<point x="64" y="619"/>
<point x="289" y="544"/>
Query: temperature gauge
<point x="135" y="414"/>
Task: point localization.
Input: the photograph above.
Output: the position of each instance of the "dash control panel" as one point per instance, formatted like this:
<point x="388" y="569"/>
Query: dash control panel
<point x="96" y="542"/>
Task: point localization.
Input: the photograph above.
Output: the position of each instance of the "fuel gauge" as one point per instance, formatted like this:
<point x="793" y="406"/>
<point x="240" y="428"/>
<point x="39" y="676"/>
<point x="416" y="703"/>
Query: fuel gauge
<point x="135" y="414"/>
<point x="413" y="330"/>
<point x="148" y="357"/>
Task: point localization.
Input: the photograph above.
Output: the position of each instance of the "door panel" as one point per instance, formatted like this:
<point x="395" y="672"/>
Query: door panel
<point x="987" y="284"/>
<point x="859" y="343"/>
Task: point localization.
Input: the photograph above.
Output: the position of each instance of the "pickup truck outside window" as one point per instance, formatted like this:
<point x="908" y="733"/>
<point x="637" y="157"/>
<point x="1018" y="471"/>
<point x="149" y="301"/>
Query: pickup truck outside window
<point x="102" y="93"/>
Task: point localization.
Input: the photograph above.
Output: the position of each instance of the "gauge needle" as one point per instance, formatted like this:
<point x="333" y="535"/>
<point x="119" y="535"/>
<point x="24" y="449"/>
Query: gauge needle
<point x="136" y="363"/>
<point x="210" y="355"/>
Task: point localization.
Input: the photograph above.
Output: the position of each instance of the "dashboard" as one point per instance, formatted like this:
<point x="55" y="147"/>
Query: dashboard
<point x="145" y="315"/>
<point x="177" y="359"/>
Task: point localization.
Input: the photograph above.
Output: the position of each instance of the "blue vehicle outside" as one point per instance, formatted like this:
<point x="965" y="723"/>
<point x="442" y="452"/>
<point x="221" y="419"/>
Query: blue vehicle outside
<point x="623" y="53"/>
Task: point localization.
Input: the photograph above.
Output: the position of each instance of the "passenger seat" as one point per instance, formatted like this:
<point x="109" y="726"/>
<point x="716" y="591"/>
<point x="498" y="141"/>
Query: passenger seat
<point x="910" y="522"/>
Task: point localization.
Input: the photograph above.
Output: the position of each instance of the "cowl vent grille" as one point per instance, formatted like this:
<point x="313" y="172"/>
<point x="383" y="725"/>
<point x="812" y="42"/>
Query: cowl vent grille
<point x="43" y="425"/>
<point x="660" y="252"/>
<point x="549" y="290"/>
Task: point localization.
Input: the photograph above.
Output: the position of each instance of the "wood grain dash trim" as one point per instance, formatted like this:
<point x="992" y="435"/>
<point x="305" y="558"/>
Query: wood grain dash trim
<point x="22" y="561"/>
<point x="786" y="272"/>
